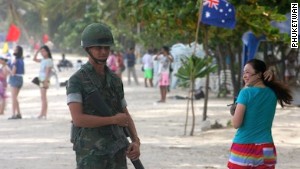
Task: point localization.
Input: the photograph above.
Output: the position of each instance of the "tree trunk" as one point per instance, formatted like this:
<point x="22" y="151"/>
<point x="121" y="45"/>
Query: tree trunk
<point x="206" y="98"/>
<point x="187" y="113"/>
<point x="192" y="105"/>
<point x="239" y="72"/>
<point x="205" y="43"/>
<point x="232" y="70"/>
<point x="223" y="90"/>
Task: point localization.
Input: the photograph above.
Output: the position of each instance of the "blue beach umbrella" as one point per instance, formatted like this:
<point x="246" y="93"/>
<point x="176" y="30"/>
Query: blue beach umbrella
<point x="250" y="45"/>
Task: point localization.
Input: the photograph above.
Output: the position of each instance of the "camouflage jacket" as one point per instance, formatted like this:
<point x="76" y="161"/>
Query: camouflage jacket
<point x="106" y="140"/>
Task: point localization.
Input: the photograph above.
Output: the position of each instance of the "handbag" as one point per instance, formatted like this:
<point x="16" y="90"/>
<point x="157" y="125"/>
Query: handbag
<point x="36" y="81"/>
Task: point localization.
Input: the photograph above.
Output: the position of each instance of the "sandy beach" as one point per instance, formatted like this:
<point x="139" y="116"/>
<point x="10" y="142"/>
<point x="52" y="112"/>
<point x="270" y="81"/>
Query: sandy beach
<point x="30" y="143"/>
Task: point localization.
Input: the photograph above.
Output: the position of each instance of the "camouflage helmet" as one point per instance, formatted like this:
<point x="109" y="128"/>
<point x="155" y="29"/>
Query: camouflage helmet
<point x="96" y="34"/>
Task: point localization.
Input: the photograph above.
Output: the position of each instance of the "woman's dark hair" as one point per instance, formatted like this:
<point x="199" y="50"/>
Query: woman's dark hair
<point x="48" y="50"/>
<point x="19" y="53"/>
<point x="282" y="91"/>
<point x="150" y="51"/>
<point x="167" y="49"/>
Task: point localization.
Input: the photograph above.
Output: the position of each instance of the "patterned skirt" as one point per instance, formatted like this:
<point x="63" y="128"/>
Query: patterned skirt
<point x="252" y="156"/>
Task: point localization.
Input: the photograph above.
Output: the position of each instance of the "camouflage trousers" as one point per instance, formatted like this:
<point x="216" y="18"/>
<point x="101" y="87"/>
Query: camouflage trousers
<point x="88" y="160"/>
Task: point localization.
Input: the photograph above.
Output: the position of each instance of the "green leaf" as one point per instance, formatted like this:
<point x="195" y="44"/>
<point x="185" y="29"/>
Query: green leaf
<point x="194" y="67"/>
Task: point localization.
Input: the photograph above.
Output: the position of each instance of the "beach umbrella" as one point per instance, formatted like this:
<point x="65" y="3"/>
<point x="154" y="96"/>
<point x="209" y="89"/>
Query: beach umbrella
<point x="250" y="45"/>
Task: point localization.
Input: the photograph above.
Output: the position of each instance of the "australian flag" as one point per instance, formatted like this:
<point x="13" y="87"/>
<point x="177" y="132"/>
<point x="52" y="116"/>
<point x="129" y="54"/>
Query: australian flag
<point x="218" y="13"/>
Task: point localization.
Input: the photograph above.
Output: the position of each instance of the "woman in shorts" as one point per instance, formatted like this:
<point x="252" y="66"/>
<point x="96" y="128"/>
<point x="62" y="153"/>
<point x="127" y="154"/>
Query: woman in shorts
<point x="15" y="81"/>
<point x="46" y="65"/>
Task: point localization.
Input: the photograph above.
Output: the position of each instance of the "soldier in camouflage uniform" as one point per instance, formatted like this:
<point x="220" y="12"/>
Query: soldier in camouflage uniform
<point x="99" y="142"/>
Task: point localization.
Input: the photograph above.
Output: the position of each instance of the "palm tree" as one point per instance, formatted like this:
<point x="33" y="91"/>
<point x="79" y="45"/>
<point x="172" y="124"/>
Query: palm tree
<point x="192" y="68"/>
<point x="69" y="17"/>
<point x="14" y="10"/>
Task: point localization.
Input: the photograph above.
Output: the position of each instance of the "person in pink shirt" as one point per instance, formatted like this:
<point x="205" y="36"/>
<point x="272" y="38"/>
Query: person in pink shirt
<point x="112" y="61"/>
<point x="4" y="72"/>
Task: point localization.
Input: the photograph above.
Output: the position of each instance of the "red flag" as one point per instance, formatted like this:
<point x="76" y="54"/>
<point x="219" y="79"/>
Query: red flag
<point x="13" y="33"/>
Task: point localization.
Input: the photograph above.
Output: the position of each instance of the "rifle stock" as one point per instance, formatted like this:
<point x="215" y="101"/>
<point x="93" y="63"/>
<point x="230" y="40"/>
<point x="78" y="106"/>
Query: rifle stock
<point x="97" y="101"/>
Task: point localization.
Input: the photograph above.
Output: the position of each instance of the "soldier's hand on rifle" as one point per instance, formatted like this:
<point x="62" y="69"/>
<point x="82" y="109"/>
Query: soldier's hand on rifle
<point x="121" y="119"/>
<point x="133" y="151"/>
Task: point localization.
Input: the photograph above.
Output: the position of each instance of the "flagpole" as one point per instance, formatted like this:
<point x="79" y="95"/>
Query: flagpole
<point x="206" y="55"/>
<point x="198" y="25"/>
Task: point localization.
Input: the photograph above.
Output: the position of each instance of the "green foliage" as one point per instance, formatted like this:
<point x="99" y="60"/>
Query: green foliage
<point x="256" y="16"/>
<point x="21" y="13"/>
<point x="33" y="23"/>
<point x="71" y="41"/>
<point x="162" y="22"/>
<point x="78" y="14"/>
<point x="194" y="67"/>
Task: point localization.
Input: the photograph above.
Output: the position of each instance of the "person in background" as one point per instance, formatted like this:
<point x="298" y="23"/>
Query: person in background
<point x="4" y="73"/>
<point x="291" y="64"/>
<point x="120" y="64"/>
<point x="37" y="45"/>
<point x="165" y="59"/>
<point x="253" y="145"/>
<point x="15" y="81"/>
<point x="148" y="68"/>
<point x="64" y="63"/>
<point x="155" y="67"/>
<point x="112" y="61"/>
<point x="131" y="61"/>
<point x="46" y="65"/>
<point x="78" y="64"/>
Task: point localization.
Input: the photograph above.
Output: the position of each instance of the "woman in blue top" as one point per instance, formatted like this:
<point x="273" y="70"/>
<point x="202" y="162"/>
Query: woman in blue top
<point x="253" y="146"/>
<point x="16" y="80"/>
